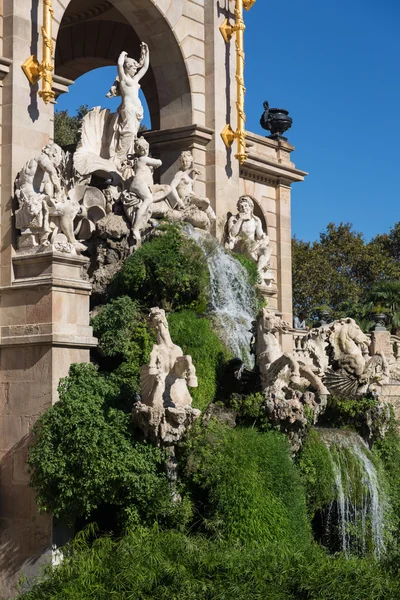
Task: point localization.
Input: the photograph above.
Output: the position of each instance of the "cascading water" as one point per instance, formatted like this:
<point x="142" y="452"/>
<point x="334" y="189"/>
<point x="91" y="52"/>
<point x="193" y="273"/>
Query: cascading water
<point x="354" y="522"/>
<point x="232" y="298"/>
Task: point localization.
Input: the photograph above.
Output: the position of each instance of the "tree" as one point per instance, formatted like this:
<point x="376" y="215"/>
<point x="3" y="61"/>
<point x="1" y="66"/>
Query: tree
<point x="67" y="127"/>
<point x="339" y="269"/>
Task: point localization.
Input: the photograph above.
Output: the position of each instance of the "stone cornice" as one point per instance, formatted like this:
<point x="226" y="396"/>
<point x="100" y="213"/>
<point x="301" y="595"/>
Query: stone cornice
<point x="5" y="64"/>
<point x="61" y="85"/>
<point x="187" y="136"/>
<point x="255" y="138"/>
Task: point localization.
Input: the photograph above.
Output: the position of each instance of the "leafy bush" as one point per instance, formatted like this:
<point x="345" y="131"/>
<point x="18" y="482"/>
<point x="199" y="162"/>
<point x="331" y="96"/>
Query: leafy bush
<point x="254" y="492"/>
<point x="317" y="473"/>
<point x="84" y="455"/>
<point x="250" y="410"/>
<point x="169" y="271"/>
<point x="348" y="412"/>
<point x="388" y="450"/>
<point x="194" y="334"/>
<point x="125" y="343"/>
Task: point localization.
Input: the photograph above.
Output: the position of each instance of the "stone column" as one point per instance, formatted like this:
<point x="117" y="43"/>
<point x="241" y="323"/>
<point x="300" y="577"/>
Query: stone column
<point x="222" y="175"/>
<point x="44" y="328"/>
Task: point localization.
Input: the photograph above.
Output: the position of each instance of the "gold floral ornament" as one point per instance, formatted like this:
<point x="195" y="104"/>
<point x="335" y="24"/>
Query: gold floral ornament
<point x="33" y="69"/>
<point x="227" y="30"/>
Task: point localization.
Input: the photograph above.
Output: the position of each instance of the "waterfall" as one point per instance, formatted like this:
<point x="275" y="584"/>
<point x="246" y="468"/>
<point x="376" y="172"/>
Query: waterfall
<point x="232" y="298"/>
<point x="356" y="516"/>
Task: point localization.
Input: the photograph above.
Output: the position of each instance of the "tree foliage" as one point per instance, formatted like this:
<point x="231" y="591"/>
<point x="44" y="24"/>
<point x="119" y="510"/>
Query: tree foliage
<point x="339" y="270"/>
<point x="67" y="127"/>
<point x="84" y="455"/>
<point x="169" y="271"/>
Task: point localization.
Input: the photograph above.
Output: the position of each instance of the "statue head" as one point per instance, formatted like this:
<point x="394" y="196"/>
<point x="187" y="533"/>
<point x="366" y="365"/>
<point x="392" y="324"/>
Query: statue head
<point x="245" y="205"/>
<point x="271" y="323"/>
<point x="54" y="152"/>
<point x="131" y="66"/>
<point x="186" y="159"/>
<point x="141" y="147"/>
<point x="157" y="317"/>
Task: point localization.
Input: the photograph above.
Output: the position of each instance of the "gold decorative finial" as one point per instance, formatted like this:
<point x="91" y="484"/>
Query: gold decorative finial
<point x="35" y="70"/>
<point x="227" y="30"/>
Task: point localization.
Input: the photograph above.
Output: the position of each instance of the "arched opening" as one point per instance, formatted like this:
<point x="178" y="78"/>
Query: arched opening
<point x="91" y="88"/>
<point x="93" y="34"/>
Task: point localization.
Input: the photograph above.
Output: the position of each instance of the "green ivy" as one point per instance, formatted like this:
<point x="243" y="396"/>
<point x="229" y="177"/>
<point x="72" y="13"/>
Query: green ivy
<point x="253" y="490"/>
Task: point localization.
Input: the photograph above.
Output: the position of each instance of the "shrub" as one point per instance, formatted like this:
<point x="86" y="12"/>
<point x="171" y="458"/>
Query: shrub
<point x="194" y="334"/>
<point x="254" y="492"/>
<point x="125" y="343"/>
<point x="317" y="473"/>
<point x="169" y="271"/>
<point x="160" y="565"/>
<point x="84" y="455"/>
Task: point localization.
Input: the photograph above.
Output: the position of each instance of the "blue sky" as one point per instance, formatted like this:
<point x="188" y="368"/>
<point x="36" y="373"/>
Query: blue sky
<point x="336" y="67"/>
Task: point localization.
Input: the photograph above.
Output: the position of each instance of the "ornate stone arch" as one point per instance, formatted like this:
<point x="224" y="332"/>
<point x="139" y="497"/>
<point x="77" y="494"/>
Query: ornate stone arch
<point x="92" y="34"/>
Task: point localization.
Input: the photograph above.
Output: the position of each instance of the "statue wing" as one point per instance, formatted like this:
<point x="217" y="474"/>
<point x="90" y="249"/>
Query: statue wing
<point x="93" y="152"/>
<point x="341" y="383"/>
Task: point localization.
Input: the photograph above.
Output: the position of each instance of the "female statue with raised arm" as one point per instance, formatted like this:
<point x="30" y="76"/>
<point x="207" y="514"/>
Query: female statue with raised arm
<point x="130" y="111"/>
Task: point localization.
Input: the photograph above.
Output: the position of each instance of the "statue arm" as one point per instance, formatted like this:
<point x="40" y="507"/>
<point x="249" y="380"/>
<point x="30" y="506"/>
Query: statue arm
<point x="146" y="62"/>
<point x="234" y="226"/>
<point x="153" y="162"/>
<point x="120" y="64"/>
<point x="259" y="233"/>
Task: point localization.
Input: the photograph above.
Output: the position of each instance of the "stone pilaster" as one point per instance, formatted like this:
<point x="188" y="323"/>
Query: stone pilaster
<point x="45" y="328"/>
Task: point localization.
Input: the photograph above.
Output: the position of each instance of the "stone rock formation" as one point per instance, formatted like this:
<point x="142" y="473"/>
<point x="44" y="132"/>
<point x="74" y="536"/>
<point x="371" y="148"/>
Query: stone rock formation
<point x="164" y="412"/>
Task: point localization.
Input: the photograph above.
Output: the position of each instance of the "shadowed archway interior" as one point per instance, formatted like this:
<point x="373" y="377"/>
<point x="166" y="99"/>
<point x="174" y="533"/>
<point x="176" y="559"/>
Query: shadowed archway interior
<point x="93" y="34"/>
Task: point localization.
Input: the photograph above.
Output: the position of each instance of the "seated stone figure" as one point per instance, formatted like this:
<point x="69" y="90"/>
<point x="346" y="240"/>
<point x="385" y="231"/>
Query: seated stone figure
<point x="245" y="228"/>
<point x="142" y="191"/>
<point x="188" y="206"/>
<point x="165" y="410"/>
<point x="43" y="205"/>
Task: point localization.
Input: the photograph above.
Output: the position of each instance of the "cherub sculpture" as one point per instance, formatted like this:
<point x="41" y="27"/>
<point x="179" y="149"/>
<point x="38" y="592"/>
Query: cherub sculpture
<point x="165" y="410"/>
<point x="44" y="206"/>
<point x="245" y="227"/>
<point x="142" y="191"/>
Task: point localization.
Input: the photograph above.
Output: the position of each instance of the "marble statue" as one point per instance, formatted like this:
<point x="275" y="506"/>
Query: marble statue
<point x="130" y="111"/>
<point x="196" y="209"/>
<point x="283" y="382"/>
<point x="340" y="351"/>
<point x="278" y="370"/>
<point x="245" y="228"/>
<point x="142" y="192"/>
<point x="44" y="206"/>
<point x="164" y="411"/>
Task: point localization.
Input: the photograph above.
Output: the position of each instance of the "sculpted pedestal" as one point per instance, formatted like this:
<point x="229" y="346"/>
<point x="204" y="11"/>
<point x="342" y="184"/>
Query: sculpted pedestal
<point x="44" y="328"/>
